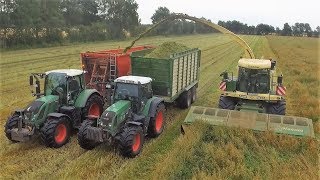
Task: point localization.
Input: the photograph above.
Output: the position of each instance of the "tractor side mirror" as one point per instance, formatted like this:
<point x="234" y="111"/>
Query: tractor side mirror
<point x="31" y="80"/>
<point x="280" y="79"/>
<point x="38" y="87"/>
<point x="225" y="75"/>
<point x="273" y="64"/>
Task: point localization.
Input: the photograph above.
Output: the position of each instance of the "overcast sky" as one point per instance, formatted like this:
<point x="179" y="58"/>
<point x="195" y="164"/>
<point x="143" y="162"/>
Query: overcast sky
<point x="251" y="12"/>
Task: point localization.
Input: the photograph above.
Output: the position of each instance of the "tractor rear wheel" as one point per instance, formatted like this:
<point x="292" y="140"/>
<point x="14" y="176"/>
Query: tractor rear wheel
<point x="226" y="103"/>
<point x="278" y="108"/>
<point x="185" y="99"/>
<point x="93" y="107"/>
<point x="156" y="124"/>
<point x="131" y="141"/>
<point x="82" y="136"/>
<point x="55" y="132"/>
<point x="194" y="94"/>
<point x="11" y="123"/>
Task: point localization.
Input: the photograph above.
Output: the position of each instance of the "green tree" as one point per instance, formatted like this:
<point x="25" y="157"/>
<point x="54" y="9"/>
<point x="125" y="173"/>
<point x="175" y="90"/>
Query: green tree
<point x="286" y="31"/>
<point x="264" y="29"/>
<point x="161" y="13"/>
<point x="80" y="12"/>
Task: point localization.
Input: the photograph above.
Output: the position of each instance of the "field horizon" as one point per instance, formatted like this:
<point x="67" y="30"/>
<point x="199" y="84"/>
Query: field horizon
<point x="208" y="152"/>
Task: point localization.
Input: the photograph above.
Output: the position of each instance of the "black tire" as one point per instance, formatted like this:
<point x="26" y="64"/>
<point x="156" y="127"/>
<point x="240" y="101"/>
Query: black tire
<point x="156" y="124"/>
<point x="55" y="132"/>
<point x="82" y="136"/>
<point x="92" y="101"/>
<point x="127" y="141"/>
<point x="193" y="94"/>
<point x="226" y="103"/>
<point x="277" y="108"/>
<point x="185" y="99"/>
<point x="11" y="123"/>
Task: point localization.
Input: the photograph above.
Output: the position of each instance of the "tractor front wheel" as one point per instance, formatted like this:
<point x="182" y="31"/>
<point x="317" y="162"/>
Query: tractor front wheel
<point x="11" y="123"/>
<point x="277" y="108"/>
<point x="131" y="141"/>
<point x="83" y="141"/>
<point x="55" y="132"/>
<point x="93" y="107"/>
<point x="226" y="103"/>
<point x="156" y="124"/>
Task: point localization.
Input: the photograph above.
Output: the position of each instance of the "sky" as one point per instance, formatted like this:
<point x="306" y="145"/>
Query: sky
<point x="251" y="12"/>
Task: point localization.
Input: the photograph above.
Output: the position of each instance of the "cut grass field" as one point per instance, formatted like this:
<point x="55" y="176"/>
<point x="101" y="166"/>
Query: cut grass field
<point x="204" y="153"/>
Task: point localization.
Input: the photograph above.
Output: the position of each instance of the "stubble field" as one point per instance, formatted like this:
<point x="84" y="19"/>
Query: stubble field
<point x="206" y="153"/>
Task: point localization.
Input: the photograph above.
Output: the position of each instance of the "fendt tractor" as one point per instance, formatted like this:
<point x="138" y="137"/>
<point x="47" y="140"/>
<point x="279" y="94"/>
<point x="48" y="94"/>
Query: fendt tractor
<point x="139" y="101"/>
<point x="62" y="107"/>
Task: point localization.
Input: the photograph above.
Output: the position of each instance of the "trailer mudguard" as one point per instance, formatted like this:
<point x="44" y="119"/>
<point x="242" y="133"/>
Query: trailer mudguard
<point x="195" y="83"/>
<point x="84" y="96"/>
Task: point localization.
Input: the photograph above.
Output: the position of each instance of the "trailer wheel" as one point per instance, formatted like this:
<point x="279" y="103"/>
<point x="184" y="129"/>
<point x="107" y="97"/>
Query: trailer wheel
<point x="56" y="132"/>
<point x="93" y="107"/>
<point x="226" y="103"/>
<point x="156" y="124"/>
<point x="185" y="99"/>
<point x="277" y="108"/>
<point x="11" y="123"/>
<point x="82" y="136"/>
<point x="194" y="94"/>
<point x="131" y="141"/>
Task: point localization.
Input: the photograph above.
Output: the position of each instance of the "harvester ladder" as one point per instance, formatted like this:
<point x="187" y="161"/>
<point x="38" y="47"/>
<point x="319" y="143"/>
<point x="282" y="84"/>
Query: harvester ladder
<point x="112" y="67"/>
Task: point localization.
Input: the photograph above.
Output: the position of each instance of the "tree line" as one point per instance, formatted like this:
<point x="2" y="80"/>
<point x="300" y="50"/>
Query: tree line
<point x="45" y="22"/>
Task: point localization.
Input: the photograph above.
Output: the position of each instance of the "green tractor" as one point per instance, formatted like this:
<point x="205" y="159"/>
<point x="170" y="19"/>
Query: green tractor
<point x="62" y="107"/>
<point x="134" y="114"/>
<point x="257" y="88"/>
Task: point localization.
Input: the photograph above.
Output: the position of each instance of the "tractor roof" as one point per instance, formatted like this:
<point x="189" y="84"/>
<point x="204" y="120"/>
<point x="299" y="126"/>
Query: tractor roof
<point x="133" y="79"/>
<point x="69" y="72"/>
<point x="255" y="63"/>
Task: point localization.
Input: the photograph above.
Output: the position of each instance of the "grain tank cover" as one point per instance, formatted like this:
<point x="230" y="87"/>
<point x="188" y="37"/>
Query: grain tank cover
<point x="255" y="63"/>
<point x="134" y="79"/>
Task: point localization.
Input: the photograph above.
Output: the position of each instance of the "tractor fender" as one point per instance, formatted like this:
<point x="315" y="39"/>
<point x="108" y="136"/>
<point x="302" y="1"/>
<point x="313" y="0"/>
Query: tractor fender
<point x="134" y="123"/>
<point x="84" y="96"/>
<point x="57" y="115"/>
<point x="153" y="106"/>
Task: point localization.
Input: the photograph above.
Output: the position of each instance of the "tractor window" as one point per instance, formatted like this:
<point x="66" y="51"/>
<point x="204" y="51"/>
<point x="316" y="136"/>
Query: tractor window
<point x="146" y="90"/>
<point x="55" y="83"/>
<point x="125" y="90"/>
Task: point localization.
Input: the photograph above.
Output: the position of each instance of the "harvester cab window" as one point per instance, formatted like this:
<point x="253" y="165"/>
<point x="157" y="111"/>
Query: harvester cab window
<point x="258" y="81"/>
<point x="243" y="79"/>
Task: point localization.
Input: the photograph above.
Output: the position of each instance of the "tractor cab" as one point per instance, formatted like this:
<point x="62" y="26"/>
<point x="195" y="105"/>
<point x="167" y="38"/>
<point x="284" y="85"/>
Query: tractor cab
<point x="66" y="83"/>
<point x="137" y="89"/>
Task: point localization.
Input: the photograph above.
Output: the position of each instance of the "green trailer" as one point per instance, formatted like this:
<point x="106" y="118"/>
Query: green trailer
<point x="173" y="79"/>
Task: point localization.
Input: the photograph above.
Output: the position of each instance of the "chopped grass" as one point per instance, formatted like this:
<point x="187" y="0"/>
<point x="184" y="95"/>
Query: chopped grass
<point x="166" y="49"/>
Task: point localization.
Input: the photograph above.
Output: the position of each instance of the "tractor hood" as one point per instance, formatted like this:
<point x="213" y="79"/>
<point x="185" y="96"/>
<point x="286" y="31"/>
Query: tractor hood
<point x="35" y="108"/>
<point x="114" y="116"/>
